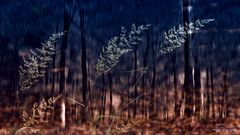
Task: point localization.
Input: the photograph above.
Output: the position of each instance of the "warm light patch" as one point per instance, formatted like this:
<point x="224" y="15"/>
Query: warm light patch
<point x="63" y="112"/>
<point x="181" y="78"/>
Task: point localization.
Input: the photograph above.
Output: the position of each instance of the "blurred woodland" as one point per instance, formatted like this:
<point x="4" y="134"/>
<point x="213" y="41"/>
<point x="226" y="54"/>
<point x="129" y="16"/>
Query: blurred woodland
<point x="152" y="80"/>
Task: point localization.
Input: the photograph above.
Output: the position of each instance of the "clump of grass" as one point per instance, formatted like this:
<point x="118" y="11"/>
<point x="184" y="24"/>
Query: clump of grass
<point x="118" y="46"/>
<point x="35" y="63"/>
<point x="32" y="69"/>
<point x="40" y="114"/>
<point x="176" y="36"/>
<point x="118" y="126"/>
<point x="27" y="131"/>
<point x="122" y="126"/>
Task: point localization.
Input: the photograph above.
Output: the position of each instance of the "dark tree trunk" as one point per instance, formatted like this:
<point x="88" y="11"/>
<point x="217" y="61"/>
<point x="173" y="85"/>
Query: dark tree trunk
<point x="67" y="21"/>
<point x="70" y="74"/>
<point x="53" y="74"/>
<point x="129" y="108"/>
<point x="197" y="85"/>
<point x="224" y="111"/>
<point x="66" y="25"/>
<point x="103" y="97"/>
<point x="208" y="82"/>
<point x="84" y="65"/>
<point x="208" y="107"/>
<point x="110" y="94"/>
<point x="15" y="72"/>
<point x="152" y="109"/>
<point x="46" y="77"/>
<point x="135" y="66"/>
<point x="135" y="80"/>
<point x="144" y="113"/>
<point x="90" y="98"/>
<point x="176" y="100"/>
<point x="53" y="63"/>
<point x="187" y="67"/>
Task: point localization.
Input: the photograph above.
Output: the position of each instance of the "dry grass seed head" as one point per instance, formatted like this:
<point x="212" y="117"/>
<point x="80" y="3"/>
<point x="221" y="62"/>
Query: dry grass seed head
<point x="122" y="126"/>
<point x="39" y="112"/>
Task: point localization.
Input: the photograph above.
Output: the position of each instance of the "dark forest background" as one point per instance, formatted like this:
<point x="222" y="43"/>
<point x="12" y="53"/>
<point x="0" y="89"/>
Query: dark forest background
<point x="214" y="56"/>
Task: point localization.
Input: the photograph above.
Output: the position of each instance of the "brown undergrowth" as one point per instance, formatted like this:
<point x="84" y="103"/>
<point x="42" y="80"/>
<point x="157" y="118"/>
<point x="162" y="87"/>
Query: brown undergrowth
<point x="40" y="114"/>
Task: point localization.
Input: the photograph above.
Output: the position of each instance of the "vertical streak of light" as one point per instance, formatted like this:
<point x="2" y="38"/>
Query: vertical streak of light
<point x="194" y="96"/>
<point x="63" y="119"/>
<point x="183" y="106"/>
<point x="203" y="101"/>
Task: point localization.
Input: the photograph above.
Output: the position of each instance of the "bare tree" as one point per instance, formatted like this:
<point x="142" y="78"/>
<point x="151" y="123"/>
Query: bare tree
<point x="54" y="63"/>
<point x="84" y="64"/>
<point x="68" y="16"/>
<point x="187" y="65"/>
<point x="145" y="59"/>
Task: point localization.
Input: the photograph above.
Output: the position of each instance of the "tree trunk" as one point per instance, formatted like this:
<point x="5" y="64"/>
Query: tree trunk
<point x="84" y="65"/>
<point x="67" y="22"/>
<point x="102" y="112"/>
<point x="152" y="109"/>
<point x="224" y="112"/>
<point x="212" y="92"/>
<point x="63" y="51"/>
<point x="110" y="94"/>
<point x="144" y="113"/>
<point x="176" y="100"/>
<point x="53" y="63"/>
<point x="208" y="107"/>
<point x="135" y="80"/>
<point x="47" y="76"/>
<point x="187" y="67"/>
<point x="197" y="85"/>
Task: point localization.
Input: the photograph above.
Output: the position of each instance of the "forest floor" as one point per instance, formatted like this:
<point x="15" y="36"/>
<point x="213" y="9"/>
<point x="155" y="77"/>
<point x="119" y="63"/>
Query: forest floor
<point x="153" y="127"/>
<point x="178" y="126"/>
<point x="10" y="121"/>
